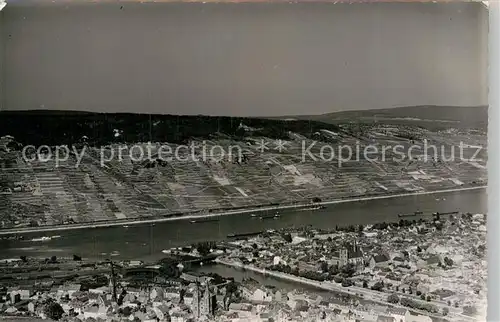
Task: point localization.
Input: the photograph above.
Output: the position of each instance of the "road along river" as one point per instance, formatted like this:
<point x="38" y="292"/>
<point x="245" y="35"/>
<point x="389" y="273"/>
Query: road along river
<point x="146" y="241"/>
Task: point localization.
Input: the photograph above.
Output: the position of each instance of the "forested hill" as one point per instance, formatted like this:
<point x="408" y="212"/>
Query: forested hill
<point x="69" y="127"/>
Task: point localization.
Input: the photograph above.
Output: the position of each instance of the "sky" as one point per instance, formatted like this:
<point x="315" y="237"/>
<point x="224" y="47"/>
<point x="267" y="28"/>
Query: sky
<point x="241" y="59"/>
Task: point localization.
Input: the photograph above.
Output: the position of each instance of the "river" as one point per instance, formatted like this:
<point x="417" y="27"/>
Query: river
<point x="147" y="241"/>
<point x="239" y="275"/>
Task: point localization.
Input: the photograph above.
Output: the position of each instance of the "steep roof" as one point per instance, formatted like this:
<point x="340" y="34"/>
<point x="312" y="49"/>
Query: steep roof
<point x="383" y="318"/>
<point x="380" y="258"/>
<point x="354" y="252"/>
<point x="396" y="311"/>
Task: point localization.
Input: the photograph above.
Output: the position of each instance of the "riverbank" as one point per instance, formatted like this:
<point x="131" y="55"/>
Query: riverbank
<point x="365" y="294"/>
<point x="136" y="221"/>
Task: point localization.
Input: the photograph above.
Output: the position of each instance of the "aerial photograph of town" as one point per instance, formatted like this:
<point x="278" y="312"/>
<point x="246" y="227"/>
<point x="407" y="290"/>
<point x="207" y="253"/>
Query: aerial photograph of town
<point x="253" y="161"/>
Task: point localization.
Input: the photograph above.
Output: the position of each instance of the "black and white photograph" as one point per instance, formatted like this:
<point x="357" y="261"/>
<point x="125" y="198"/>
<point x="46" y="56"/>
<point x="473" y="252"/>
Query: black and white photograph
<point x="243" y="161"/>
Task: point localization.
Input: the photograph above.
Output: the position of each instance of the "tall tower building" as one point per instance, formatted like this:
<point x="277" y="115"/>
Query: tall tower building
<point x="343" y="256"/>
<point x="202" y="300"/>
<point x="205" y="301"/>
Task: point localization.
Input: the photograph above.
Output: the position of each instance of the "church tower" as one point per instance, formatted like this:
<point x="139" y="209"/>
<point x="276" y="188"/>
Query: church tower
<point x="343" y="257"/>
<point x="202" y="300"/>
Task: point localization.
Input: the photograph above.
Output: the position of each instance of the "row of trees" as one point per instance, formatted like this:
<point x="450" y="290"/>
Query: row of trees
<point x="338" y="275"/>
<point x="204" y="248"/>
<point x="404" y="301"/>
<point x="53" y="310"/>
<point x="395" y="299"/>
<point x="51" y="260"/>
<point x="312" y="275"/>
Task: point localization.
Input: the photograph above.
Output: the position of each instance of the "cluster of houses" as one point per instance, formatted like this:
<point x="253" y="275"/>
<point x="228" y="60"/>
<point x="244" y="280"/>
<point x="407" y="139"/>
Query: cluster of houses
<point x="426" y="260"/>
<point x="200" y="301"/>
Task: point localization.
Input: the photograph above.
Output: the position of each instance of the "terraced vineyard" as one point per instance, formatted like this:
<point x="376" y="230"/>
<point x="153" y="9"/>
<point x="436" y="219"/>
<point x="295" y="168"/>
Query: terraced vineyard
<point x="44" y="193"/>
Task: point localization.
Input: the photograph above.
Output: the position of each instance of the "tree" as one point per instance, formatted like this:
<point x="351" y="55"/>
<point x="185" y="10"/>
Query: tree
<point x="346" y="282"/>
<point x="203" y="248"/>
<point x="378" y="286"/>
<point x="126" y="311"/>
<point x="428" y="298"/>
<point x="446" y="311"/>
<point x="349" y="270"/>
<point x="240" y="132"/>
<point x="254" y="246"/>
<point x="53" y="259"/>
<point x="422" y="297"/>
<point x="448" y="261"/>
<point x="24" y="259"/>
<point x="53" y="311"/>
<point x="410" y="291"/>
<point x="231" y="287"/>
<point x="365" y="284"/>
<point x="334" y="269"/>
<point x="419" y="293"/>
<point x="393" y="298"/>
<point x="337" y="279"/>
<point x="168" y="267"/>
<point x="324" y="267"/>
<point x="419" y="250"/>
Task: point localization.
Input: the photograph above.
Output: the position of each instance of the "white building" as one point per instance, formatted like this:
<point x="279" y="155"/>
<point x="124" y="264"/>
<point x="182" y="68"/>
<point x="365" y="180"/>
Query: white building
<point x="243" y="310"/>
<point x="397" y="313"/>
<point x="95" y="312"/>
<point x="379" y="261"/>
<point x="69" y="289"/>
<point x="256" y="294"/>
<point x="413" y="317"/>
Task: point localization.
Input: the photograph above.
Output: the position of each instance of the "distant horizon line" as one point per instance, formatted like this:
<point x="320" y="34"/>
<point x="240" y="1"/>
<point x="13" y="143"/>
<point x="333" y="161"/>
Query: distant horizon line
<point x="237" y="116"/>
<point x="56" y="2"/>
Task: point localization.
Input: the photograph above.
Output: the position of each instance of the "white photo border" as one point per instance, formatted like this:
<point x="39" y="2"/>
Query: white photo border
<point x="493" y="163"/>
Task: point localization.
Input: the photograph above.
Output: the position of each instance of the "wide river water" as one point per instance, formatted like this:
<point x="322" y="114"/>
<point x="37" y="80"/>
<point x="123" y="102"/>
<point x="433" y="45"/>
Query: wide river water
<point x="147" y="241"/>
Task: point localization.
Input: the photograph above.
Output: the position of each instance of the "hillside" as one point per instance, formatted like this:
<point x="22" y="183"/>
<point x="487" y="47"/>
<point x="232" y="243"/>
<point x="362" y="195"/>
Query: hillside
<point x="430" y="117"/>
<point x="58" y="127"/>
<point x="237" y="163"/>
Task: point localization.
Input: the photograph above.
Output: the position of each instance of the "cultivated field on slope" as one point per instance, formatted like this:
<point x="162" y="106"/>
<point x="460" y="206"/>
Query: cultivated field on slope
<point x="42" y="193"/>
